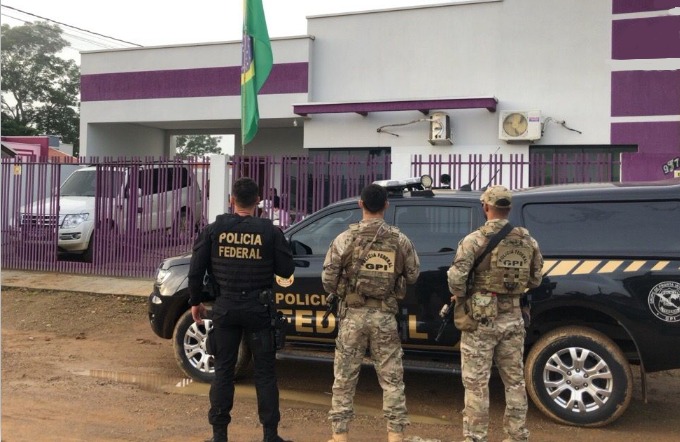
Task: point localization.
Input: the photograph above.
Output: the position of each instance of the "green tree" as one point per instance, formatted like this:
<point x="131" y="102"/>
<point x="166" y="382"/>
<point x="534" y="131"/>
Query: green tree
<point x="197" y="145"/>
<point x="40" y="90"/>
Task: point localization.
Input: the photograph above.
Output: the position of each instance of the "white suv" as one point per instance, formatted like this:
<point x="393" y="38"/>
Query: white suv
<point x="162" y="197"/>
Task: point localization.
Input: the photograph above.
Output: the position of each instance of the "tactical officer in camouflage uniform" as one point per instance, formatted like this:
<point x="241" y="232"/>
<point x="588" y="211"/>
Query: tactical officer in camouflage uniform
<point x="500" y="280"/>
<point x="368" y="267"/>
<point x="243" y="253"/>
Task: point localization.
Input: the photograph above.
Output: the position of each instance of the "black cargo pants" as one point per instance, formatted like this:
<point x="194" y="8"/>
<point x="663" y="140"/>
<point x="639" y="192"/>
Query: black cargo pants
<point x="231" y="321"/>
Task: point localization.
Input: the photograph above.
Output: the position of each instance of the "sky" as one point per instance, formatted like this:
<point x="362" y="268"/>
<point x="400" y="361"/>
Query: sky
<point x="169" y="22"/>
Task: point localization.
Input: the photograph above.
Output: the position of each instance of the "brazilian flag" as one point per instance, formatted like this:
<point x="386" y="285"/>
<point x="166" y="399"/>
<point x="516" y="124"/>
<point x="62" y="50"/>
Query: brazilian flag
<point x="256" y="66"/>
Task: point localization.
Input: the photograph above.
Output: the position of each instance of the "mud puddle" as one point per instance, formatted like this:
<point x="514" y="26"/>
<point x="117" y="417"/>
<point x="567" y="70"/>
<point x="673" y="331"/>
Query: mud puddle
<point x="288" y="398"/>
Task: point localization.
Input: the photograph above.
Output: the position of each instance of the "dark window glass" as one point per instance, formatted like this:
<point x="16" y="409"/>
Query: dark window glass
<point x="576" y="164"/>
<point x="434" y="228"/>
<point x="148" y="181"/>
<point x="80" y="183"/>
<point x="645" y="228"/>
<point x="316" y="237"/>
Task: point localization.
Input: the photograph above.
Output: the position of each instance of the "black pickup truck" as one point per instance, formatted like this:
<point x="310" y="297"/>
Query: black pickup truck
<point x="610" y="296"/>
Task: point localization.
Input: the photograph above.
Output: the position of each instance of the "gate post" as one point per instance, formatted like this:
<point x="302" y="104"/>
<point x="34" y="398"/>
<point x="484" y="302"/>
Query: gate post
<point x="220" y="186"/>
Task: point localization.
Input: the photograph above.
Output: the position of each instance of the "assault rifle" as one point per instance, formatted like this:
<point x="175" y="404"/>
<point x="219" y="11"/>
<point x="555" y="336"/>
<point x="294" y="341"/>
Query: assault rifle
<point x="445" y="314"/>
<point x="332" y="302"/>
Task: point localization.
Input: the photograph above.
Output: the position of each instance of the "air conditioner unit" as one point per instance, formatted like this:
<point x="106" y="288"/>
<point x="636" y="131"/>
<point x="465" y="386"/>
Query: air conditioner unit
<point x="519" y="125"/>
<point x="440" y="129"/>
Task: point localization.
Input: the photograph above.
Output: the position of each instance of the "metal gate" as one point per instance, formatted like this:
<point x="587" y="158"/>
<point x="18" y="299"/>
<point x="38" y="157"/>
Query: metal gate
<point x="515" y="171"/>
<point x="116" y="217"/>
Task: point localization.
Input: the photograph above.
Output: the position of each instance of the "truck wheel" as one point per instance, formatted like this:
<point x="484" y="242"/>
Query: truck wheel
<point x="190" y="353"/>
<point x="578" y="376"/>
<point x="88" y="254"/>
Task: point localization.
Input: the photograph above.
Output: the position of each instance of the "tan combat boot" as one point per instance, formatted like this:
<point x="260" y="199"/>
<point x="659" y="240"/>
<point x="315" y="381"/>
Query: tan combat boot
<point x="339" y="437"/>
<point x="395" y="437"/>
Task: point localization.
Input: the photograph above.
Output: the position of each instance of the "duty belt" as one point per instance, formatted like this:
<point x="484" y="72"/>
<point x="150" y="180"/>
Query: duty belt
<point x="243" y="295"/>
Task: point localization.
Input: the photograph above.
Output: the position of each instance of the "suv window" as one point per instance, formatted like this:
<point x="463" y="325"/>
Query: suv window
<point x="610" y="228"/>
<point x="434" y="228"/>
<point x="316" y="237"/>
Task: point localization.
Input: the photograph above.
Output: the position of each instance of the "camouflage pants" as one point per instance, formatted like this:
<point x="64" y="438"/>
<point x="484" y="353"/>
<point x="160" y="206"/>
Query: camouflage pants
<point x="502" y="341"/>
<point x="359" y="329"/>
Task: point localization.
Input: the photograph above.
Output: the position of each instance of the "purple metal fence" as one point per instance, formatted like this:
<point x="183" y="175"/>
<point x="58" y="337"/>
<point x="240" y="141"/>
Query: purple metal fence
<point x="117" y="217"/>
<point x="541" y="168"/>
<point x="305" y="185"/>
<point x="577" y="167"/>
<point x="146" y="209"/>
<point x="475" y="170"/>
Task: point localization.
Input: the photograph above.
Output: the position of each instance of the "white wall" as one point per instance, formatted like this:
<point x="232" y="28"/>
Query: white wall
<point x="550" y="55"/>
<point x="124" y="140"/>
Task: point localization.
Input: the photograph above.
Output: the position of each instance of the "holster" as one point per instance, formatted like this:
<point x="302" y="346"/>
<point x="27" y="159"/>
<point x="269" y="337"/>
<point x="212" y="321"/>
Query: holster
<point x="462" y="316"/>
<point x="355" y="300"/>
<point x="278" y="319"/>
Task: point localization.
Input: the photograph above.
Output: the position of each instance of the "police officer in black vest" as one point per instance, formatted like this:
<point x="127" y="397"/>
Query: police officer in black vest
<point x="243" y="253"/>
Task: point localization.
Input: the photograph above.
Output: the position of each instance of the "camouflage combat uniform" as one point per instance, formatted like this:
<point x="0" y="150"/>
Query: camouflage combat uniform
<point x="369" y="319"/>
<point x="500" y="339"/>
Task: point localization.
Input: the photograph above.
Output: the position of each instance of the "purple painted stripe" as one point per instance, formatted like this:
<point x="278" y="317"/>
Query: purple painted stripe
<point x="645" y="38"/>
<point x="423" y="106"/>
<point x="627" y="6"/>
<point x="636" y="93"/>
<point x="645" y="166"/>
<point x="650" y="137"/>
<point x="285" y="78"/>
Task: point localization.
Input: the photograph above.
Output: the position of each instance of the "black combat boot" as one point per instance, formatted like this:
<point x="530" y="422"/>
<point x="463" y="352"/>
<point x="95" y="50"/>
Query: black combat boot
<point x="219" y="434"/>
<point x="271" y="434"/>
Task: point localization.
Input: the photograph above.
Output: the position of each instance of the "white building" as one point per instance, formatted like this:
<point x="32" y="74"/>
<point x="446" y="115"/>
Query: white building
<point x="600" y="76"/>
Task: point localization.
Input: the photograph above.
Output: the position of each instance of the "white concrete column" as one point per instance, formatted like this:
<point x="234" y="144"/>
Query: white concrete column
<point x="220" y="186"/>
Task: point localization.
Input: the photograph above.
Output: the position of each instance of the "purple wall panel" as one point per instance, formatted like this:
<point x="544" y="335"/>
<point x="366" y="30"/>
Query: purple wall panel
<point x="285" y="78"/>
<point x="646" y="38"/>
<point x="658" y="136"/>
<point x="644" y="166"/>
<point x="626" y="6"/>
<point x="636" y="93"/>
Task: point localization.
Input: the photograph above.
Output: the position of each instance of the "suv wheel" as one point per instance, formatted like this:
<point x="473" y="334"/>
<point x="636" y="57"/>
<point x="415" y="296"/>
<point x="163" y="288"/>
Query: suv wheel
<point x="190" y="353"/>
<point x="578" y="376"/>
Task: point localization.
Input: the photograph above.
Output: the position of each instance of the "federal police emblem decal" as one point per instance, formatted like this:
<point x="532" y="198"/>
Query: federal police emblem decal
<point x="664" y="301"/>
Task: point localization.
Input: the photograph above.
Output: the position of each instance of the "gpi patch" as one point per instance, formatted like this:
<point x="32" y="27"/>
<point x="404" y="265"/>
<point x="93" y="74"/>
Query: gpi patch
<point x="513" y="257"/>
<point x="379" y="261"/>
<point x="664" y="301"/>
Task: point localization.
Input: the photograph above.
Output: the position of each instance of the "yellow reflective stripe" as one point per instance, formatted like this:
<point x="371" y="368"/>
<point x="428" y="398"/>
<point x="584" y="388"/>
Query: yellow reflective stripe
<point x="564" y="267"/>
<point x="635" y="266"/>
<point x="610" y="267"/>
<point x="587" y="267"/>
<point x="547" y="265"/>
<point x="659" y="266"/>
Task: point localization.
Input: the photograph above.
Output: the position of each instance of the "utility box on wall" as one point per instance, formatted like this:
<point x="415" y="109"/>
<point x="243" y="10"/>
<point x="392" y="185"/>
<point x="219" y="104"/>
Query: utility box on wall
<point x="440" y="129"/>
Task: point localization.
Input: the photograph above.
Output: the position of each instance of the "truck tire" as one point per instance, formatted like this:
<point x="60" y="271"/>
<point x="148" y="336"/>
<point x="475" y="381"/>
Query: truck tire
<point x="578" y="376"/>
<point x="191" y="356"/>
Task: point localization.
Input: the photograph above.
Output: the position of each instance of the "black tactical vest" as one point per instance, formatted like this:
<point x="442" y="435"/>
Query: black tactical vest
<point x="242" y="254"/>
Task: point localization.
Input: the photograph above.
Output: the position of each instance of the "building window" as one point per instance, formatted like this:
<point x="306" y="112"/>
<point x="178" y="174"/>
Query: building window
<point x="576" y="164"/>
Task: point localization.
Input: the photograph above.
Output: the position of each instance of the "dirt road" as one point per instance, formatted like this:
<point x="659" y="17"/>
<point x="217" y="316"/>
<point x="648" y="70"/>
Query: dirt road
<point x="81" y="367"/>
